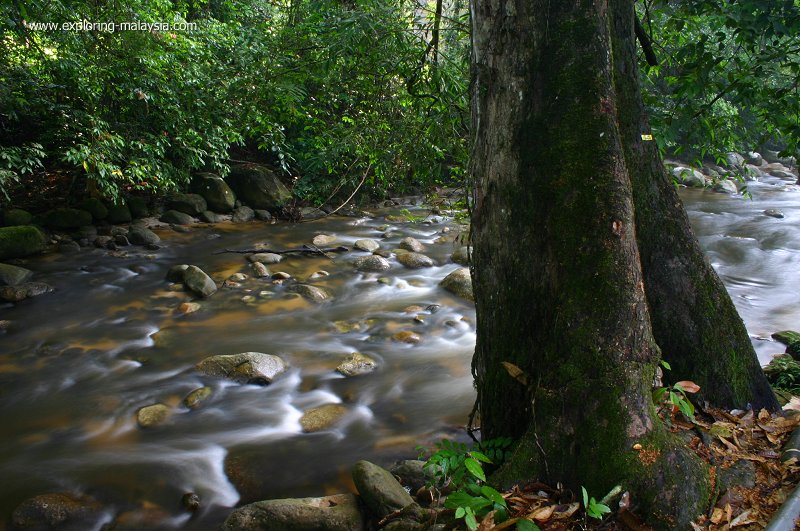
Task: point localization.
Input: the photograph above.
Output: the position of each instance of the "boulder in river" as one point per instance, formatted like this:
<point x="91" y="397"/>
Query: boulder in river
<point x="462" y="256"/>
<point x="176" y="272"/>
<point x="141" y="235"/>
<point x="211" y="217"/>
<point x="774" y="213"/>
<point x="371" y="262"/>
<point x="411" y="244"/>
<point x="265" y="258"/>
<point x="339" y="512"/>
<point x="246" y="367"/>
<point x="153" y="415"/>
<point x="20" y="240"/>
<point x="95" y="207"/>
<point x="725" y="186"/>
<point x="173" y="217"/>
<point x="24" y="291"/>
<point x="415" y="260"/>
<point x="138" y="207"/>
<point x="459" y="282"/>
<point x="356" y="364"/>
<point x="66" y="218"/>
<point x="258" y="187"/>
<point x="367" y="245"/>
<point x="243" y="214"/>
<point x="755" y="158"/>
<point x="322" y="417"/>
<point x="734" y="159"/>
<point x="197" y="281"/>
<point x="311" y="293"/>
<point x="689" y="177"/>
<point x="16" y="216"/>
<point x="783" y="174"/>
<point x="57" y="510"/>
<point x="218" y="195"/>
<point x="11" y="275"/>
<point x="260" y="270"/>
<point x="323" y="240"/>
<point x="791" y="339"/>
<point x="380" y="491"/>
<point x="192" y="204"/>
<point x="119" y="213"/>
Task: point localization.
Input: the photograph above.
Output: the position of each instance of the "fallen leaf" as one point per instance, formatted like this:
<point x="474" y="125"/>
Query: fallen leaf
<point x="716" y="516"/>
<point x="742" y="519"/>
<point x="565" y="511"/>
<point x="543" y="514"/>
<point x="515" y="372"/>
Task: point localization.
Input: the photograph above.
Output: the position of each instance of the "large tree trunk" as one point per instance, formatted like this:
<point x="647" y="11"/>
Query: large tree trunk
<point x="560" y="289"/>
<point x="694" y="320"/>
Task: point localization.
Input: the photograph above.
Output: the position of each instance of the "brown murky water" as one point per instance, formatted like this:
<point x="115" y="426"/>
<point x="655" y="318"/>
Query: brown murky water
<point x="75" y="365"/>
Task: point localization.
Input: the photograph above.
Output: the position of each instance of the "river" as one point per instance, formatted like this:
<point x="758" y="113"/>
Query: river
<point x="77" y="364"/>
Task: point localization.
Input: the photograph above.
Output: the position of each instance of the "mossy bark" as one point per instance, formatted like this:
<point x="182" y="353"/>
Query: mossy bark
<point x="568" y="304"/>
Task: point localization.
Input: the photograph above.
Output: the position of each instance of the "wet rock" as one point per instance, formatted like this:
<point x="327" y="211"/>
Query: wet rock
<point x="321" y="418"/>
<point x="372" y="262"/>
<point x="411" y="244"/>
<point x="689" y="177"/>
<point x="311" y="293"/>
<point x="356" y="364"/>
<point x="366" y="245"/>
<point x="138" y="207"/>
<point x="211" y="217"/>
<point x="322" y="240"/>
<point x="755" y="158"/>
<point x="411" y="473"/>
<point x="60" y="510"/>
<point x="16" y="216"/>
<point x="149" y="516"/>
<point x="258" y="187"/>
<point x="281" y="275"/>
<point x="87" y="232"/>
<point x="119" y="213"/>
<point x="734" y="159"/>
<point x="260" y="270"/>
<point x="265" y="258"/>
<point x="238" y="277"/>
<point x="66" y="218"/>
<point x="24" y="291"/>
<point x="319" y="274"/>
<point x="379" y="490"/>
<point x="414" y="260"/>
<point x="197" y="281"/>
<point x="783" y="174"/>
<point x="339" y="512"/>
<point x="121" y="240"/>
<point x="791" y="339"/>
<point x="218" y="195"/>
<point x="196" y="398"/>
<point x="141" y="235"/>
<point x="312" y="213"/>
<point x="462" y="256"/>
<point x="243" y="214"/>
<point x="190" y="502"/>
<point x="188" y="307"/>
<point x="459" y="283"/>
<point x="101" y="242"/>
<point x="246" y="367"/>
<point x="95" y="207"/>
<point x="773" y="213"/>
<point x="11" y="275"/>
<point x="174" y="217"/>
<point x="176" y="272"/>
<point x="262" y="215"/>
<point x="407" y="337"/>
<point x="192" y="204"/>
<point x="152" y="415"/>
<point x="725" y="186"/>
<point x="19" y="241"/>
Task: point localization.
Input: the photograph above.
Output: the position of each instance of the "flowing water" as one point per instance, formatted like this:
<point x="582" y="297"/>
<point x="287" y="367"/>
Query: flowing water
<point x="77" y="364"/>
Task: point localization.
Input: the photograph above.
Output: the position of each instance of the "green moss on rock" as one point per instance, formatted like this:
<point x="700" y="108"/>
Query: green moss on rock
<point x="19" y="241"/>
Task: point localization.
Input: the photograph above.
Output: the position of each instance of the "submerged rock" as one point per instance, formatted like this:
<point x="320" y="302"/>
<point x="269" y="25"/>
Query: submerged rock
<point x="415" y="260"/>
<point x="321" y="240"/>
<point x="356" y="364"/>
<point x="339" y="512"/>
<point x="196" y="280"/>
<point x="366" y="245"/>
<point x="246" y="367"/>
<point x="459" y="283"/>
<point x="196" y="398"/>
<point x="153" y="415"/>
<point x="311" y="293"/>
<point x="11" y="275"/>
<point x="321" y="418"/>
<point x="24" y="291"/>
<point x="411" y="244"/>
<point x="773" y="213"/>
<point x="462" y="256"/>
<point x="371" y="262"/>
<point x="265" y="258"/>
<point x="141" y="235"/>
<point x="407" y="337"/>
<point x="62" y="510"/>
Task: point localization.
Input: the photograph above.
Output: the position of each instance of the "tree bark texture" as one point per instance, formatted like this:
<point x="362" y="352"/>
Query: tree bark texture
<point x="582" y="256"/>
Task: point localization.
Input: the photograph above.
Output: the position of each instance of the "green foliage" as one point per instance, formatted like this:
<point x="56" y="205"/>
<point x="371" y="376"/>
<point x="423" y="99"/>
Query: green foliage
<point x="594" y="509"/>
<point x="18" y="160"/>
<point x="461" y="467"/>
<point x="783" y="373"/>
<point x="726" y="78"/>
<point x="675" y="396"/>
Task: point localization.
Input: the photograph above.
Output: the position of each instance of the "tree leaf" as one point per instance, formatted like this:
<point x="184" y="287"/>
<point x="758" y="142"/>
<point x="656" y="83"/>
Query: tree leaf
<point x="687" y="386"/>
<point x="515" y="372"/>
<point x="527" y="525"/>
<point x="475" y="468"/>
<point x="493" y="495"/>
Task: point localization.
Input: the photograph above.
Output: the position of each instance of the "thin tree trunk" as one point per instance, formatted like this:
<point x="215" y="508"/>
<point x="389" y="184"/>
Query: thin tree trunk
<point x="557" y="277"/>
<point x="694" y="320"/>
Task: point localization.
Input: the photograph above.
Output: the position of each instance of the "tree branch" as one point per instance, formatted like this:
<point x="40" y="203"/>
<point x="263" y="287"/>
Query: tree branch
<point x="644" y="40"/>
